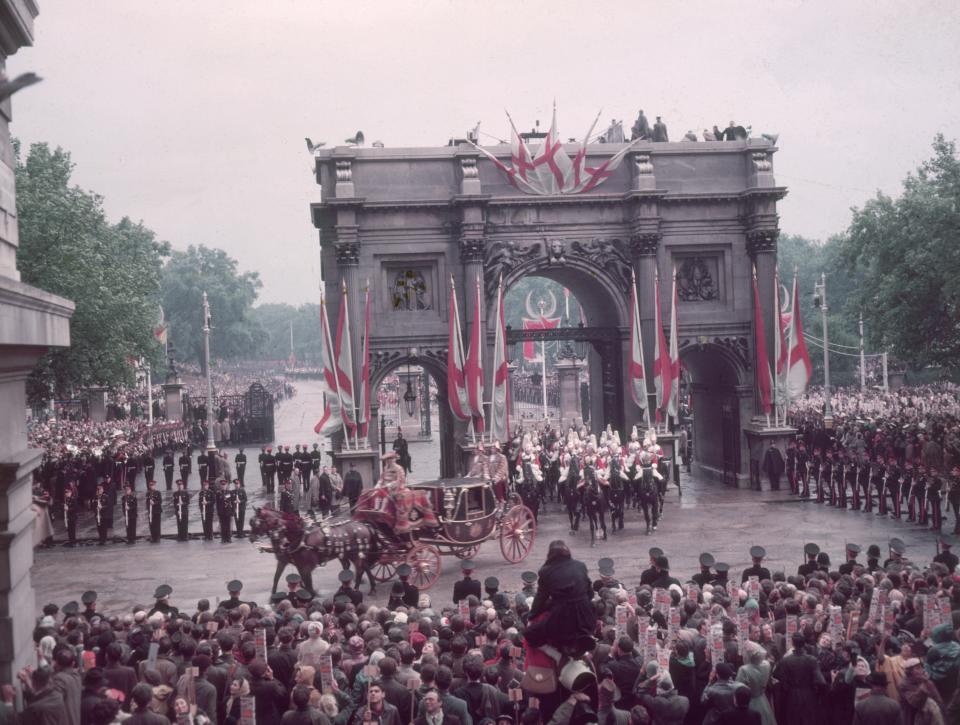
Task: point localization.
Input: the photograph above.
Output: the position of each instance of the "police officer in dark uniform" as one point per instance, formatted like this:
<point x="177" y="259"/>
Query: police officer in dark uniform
<point x="704" y="576"/>
<point x="757" y="553"/>
<point x="468" y="585"/>
<point x="607" y="571"/>
<point x="240" y="461"/>
<point x="873" y="558"/>
<point x="897" y="550"/>
<point x="89" y="599"/>
<point x="104" y="513"/>
<point x="225" y="511"/>
<point x="649" y="576"/>
<point x="168" y="464"/>
<point x="148" y="465"/>
<point x="162" y="603"/>
<point x="181" y="509"/>
<point x="491" y="585"/>
<point x="847" y="567"/>
<point x="346" y="588"/>
<point x="411" y="594"/>
<point x="352" y="485"/>
<point x="812" y="551"/>
<point x="269" y="470"/>
<point x="947" y="557"/>
<point x="128" y="504"/>
<point x="233" y="588"/>
<point x="185" y="466"/>
<point x="208" y="503"/>
<point x="239" y="505"/>
<point x="71" y="510"/>
<point x="154" y="506"/>
<point x="529" y="579"/>
<point x="722" y="570"/>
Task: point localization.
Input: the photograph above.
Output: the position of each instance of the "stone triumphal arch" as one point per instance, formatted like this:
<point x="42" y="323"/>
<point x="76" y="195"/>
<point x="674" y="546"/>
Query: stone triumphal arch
<point x="407" y="219"/>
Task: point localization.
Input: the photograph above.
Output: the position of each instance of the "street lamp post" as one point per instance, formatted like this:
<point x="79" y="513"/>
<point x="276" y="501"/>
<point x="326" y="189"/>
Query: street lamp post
<point x="820" y="300"/>
<point x="211" y="445"/>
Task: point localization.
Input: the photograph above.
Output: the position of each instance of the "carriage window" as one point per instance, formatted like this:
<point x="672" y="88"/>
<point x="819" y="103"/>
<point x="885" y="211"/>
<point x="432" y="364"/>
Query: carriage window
<point x="474" y="498"/>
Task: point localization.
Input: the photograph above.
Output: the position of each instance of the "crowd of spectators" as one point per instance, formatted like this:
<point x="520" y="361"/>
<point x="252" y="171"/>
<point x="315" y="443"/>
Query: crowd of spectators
<point x="863" y="642"/>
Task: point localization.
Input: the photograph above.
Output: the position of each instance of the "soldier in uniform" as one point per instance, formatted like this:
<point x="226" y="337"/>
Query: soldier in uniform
<point x="820" y="470"/>
<point x="411" y="594"/>
<point x="618" y="479"/>
<point x="71" y="509"/>
<point x="897" y="551"/>
<point x="947" y="557"/>
<point x="270" y="470"/>
<point x="811" y="551"/>
<point x="908" y="490"/>
<point x="873" y="558"/>
<point x="181" y="509"/>
<point x="148" y="464"/>
<point x="894" y="481"/>
<point x="468" y="585"/>
<point x="104" y="513"/>
<point x="234" y="587"/>
<point x="154" y="506"/>
<point x="263" y="473"/>
<point x="757" y="553"/>
<point x="704" y="576"/>
<point x="162" y="603"/>
<point x="953" y="497"/>
<point x="803" y="470"/>
<point x="208" y="504"/>
<point x="239" y="505"/>
<point x="185" y="466"/>
<point x="352" y="485"/>
<point x="346" y="588"/>
<point x="285" y="464"/>
<point x="225" y="511"/>
<point x="240" y="460"/>
<point x="316" y="459"/>
<point x="923" y="483"/>
<point x="934" y="496"/>
<point x="168" y="464"/>
<point x="128" y="504"/>
<point x="203" y="464"/>
<point x="852" y="551"/>
<point x="131" y="469"/>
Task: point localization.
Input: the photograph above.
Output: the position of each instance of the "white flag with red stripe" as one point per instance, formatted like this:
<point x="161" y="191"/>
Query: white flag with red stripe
<point x="760" y="345"/>
<point x="364" y="395"/>
<point x="799" y="367"/>
<point x="474" y="368"/>
<point x="636" y="372"/>
<point x="661" y="356"/>
<point x="553" y="166"/>
<point x="344" y="353"/>
<point x="331" y="420"/>
<point x="500" y="415"/>
<point x="456" y="382"/>
<point x="673" y="399"/>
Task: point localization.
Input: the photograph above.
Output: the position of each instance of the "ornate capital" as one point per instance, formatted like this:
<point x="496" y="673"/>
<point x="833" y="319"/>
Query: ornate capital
<point x="644" y="166"/>
<point x="762" y="161"/>
<point x="468" y="165"/>
<point x="344" y="171"/>
<point x="348" y="253"/>
<point x="471" y="249"/>
<point x="644" y="244"/>
<point x="762" y="240"/>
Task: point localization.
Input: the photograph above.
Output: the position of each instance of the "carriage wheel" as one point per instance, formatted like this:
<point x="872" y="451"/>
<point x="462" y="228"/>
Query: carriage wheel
<point x="517" y="532"/>
<point x="424" y="559"/>
<point x="467" y="552"/>
<point x="383" y="570"/>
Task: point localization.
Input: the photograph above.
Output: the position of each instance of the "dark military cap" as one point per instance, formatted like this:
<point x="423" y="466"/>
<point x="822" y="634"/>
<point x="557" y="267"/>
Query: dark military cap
<point x="303" y="595"/>
<point x="70" y="609"/>
<point x="897" y="545"/>
<point x="853" y="549"/>
<point x="721" y="567"/>
<point x="341" y="599"/>
<point x="707" y="560"/>
<point x="277" y="597"/>
<point x="163" y="591"/>
<point x="293" y="579"/>
<point x="529" y="577"/>
<point x="234" y="586"/>
<point x="88" y="597"/>
<point x="404" y="571"/>
<point x="811" y="549"/>
<point x="606" y="567"/>
<point x="467" y="565"/>
<point x="345" y="575"/>
<point x="873" y="551"/>
<point x="491" y="583"/>
<point x="655" y="551"/>
<point x="757" y="552"/>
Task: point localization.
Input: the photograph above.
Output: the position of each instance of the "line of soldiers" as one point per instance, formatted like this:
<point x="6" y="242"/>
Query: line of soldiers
<point x="229" y="506"/>
<point x="887" y="485"/>
<point x="284" y="463"/>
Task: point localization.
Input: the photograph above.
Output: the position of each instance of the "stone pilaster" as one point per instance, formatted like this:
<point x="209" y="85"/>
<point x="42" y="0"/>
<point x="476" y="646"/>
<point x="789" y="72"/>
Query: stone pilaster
<point x="644" y="248"/>
<point x="762" y="248"/>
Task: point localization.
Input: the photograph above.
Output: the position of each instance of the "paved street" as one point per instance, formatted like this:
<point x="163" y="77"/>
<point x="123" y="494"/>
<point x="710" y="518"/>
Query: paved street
<point x="708" y="517"/>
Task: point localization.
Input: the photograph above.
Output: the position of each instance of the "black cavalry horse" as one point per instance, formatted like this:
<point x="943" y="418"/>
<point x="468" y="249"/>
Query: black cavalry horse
<point x="353" y="543"/>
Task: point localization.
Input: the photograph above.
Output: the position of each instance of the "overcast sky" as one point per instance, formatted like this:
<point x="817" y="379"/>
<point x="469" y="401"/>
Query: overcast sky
<point x="191" y="115"/>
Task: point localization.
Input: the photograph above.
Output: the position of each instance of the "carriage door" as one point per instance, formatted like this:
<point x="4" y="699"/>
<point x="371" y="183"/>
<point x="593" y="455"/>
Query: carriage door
<point x="730" y="425"/>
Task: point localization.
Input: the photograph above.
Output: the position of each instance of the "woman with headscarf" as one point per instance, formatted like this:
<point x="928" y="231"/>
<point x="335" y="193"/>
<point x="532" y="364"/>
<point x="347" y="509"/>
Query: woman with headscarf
<point x="239" y="688"/>
<point x="943" y="660"/>
<point x="755" y="674"/>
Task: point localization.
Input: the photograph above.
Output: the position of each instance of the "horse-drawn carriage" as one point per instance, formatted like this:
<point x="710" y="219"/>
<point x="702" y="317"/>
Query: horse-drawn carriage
<point x="416" y="526"/>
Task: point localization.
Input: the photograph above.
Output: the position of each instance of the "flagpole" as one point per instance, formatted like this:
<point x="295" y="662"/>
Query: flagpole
<point x="353" y="392"/>
<point x="332" y="358"/>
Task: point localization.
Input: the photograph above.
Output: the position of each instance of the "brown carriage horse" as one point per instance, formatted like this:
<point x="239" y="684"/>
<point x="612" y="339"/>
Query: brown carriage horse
<point x="353" y="543"/>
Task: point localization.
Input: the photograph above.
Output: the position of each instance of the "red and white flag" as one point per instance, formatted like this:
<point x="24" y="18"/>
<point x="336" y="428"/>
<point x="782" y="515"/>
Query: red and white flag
<point x="344" y="352"/>
<point x="673" y="400"/>
<point x="760" y="344"/>
<point x="500" y="415"/>
<point x="331" y="420"/>
<point x="160" y="331"/>
<point x="364" y="396"/>
<point x="779" y="346"/>
<point x="662" y="370"/>
<point x="474" y="368"/>
<point x="456" y="383"/>
<point x="541" y="323"/>
<point x="636" y="372"/>
<point x="799" y="367"/>
<point x="553" y="166"/>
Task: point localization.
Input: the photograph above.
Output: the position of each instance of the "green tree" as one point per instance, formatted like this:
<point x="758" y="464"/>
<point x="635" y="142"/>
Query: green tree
<point x="908" y="252"/>
<point x="231" y="294"/>
<point x="276" y="320"/>
<point x="111" y="272"/>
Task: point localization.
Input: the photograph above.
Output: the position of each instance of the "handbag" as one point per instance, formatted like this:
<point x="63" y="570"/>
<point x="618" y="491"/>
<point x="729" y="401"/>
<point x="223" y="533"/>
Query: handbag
<point x="539" y="680"/>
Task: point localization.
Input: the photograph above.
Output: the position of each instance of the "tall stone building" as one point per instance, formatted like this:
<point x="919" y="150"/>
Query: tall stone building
<point x="31" y="321"/>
